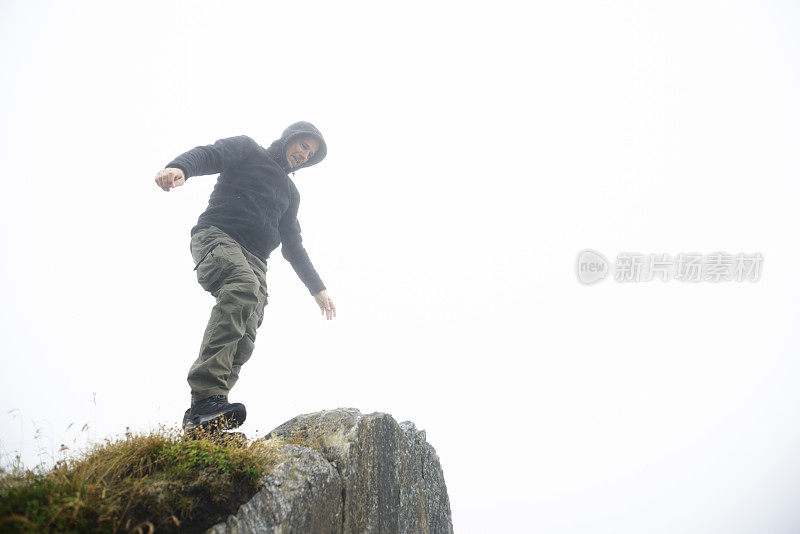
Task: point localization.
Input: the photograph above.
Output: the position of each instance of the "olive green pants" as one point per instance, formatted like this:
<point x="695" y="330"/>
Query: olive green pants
<point x="238" y="281"/>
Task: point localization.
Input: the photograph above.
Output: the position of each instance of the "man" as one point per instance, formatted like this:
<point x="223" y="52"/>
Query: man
<point x="252" y="210"/>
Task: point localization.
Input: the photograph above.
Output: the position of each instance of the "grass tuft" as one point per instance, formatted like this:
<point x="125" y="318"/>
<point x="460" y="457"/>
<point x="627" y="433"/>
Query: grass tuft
<point x="161" y="481"/>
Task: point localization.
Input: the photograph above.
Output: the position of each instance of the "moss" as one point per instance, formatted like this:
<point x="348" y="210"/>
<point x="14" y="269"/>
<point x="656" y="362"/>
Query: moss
<point x="156" y="481"/>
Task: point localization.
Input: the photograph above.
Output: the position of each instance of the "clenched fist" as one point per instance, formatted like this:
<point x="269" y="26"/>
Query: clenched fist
<point x="169" y="178"/>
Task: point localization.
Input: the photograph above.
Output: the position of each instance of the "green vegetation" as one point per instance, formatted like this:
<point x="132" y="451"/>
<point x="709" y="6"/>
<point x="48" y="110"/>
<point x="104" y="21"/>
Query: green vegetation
<point x="160" y="481"/>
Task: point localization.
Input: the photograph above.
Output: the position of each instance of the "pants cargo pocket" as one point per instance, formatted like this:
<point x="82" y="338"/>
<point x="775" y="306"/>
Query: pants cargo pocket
<point x="213" y="267"/>
<point x="264" y="297"/>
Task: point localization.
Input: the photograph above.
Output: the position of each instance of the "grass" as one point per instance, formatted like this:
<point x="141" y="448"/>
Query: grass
<point x="147" y="482"/>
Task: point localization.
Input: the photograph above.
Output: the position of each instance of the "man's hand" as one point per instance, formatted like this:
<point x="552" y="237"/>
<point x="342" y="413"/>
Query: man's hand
<point x="169" y="178"/>
<point x="325" y="304"/>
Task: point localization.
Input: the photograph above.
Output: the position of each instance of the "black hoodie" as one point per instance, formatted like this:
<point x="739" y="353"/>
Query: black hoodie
<point x="254" y="200"/>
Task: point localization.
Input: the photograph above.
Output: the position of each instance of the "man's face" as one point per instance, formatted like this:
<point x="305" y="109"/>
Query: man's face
<point x="301" y="150"/>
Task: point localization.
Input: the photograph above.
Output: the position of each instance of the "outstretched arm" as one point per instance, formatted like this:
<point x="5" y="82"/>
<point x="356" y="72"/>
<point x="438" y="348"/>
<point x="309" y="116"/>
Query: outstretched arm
<point x="202" y="160"/>
<point x="295" y="253"/>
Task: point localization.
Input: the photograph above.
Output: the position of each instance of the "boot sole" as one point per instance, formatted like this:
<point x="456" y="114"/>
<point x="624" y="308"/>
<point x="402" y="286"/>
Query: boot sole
<point x="217" y="421"/>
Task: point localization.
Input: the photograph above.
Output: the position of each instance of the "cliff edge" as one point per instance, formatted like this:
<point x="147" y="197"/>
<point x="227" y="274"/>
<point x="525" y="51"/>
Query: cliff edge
<point x="341" y="471"/>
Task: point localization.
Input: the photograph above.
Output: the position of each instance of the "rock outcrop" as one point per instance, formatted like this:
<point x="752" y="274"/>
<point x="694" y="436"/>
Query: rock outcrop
<point x="340" y="471"/>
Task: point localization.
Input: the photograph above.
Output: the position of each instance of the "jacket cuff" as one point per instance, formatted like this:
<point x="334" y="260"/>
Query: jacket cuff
<point x="176" y="165"/>
<point x="314" y="289"/>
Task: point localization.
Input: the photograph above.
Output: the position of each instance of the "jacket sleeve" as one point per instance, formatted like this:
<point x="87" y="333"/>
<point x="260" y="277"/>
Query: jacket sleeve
<point x="212" y="159"/>
<point x="292" y="246"/>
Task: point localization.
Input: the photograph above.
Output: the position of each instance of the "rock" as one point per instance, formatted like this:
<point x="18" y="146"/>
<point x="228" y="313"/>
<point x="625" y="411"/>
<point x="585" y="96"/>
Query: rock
<point x="302" y="493"/>
<point x="385" y="478"/>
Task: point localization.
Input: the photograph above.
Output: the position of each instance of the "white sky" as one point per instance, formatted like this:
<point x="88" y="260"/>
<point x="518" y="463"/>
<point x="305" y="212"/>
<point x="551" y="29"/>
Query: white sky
<point x="474" y="149"/>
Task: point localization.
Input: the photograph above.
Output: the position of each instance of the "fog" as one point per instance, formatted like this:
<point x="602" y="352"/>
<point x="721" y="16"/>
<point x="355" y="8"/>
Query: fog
<point x="474" y="150"/>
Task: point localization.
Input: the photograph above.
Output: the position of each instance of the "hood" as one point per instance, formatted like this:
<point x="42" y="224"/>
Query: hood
<point x="299" y="129"/>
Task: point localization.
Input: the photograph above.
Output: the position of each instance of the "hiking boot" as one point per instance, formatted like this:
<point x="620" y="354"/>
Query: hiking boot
<point x="214" y="412"/>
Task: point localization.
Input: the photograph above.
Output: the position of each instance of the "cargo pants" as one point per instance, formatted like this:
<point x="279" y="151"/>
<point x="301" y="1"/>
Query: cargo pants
<point x="238" y="281"/>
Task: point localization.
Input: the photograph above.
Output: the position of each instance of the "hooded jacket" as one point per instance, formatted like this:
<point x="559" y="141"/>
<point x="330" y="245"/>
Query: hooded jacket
<point x="254" y="200"/>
